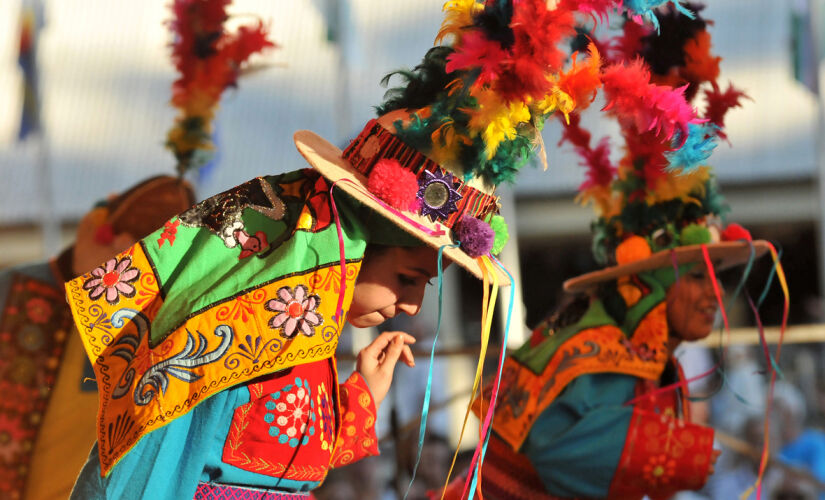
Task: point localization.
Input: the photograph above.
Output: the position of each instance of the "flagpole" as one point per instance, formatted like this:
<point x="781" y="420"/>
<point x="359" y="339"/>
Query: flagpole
<point x="816" y="13"/>
<point x="49" y="225"/>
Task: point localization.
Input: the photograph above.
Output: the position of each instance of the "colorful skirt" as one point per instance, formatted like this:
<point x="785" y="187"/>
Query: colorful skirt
<point x="213" y="491"/>
<point x="505" y="475"/>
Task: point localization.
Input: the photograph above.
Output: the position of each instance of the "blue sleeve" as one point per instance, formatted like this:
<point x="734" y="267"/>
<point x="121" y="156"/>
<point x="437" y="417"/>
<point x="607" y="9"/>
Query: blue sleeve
<point x="576" y="443"/>
<point x="166" y="464"/>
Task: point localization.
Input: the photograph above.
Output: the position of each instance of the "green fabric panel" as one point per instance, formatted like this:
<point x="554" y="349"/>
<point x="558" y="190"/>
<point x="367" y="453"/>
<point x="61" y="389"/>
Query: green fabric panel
<point x="536" y="358"/>
<point x="199" y="271"/>
<point x="576" y="443"/>
<point x="645" y="305"/>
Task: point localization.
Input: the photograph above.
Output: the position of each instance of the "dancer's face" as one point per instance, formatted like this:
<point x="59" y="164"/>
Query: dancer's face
<point x="392" y="280"/>
<point x="691" y="305"/>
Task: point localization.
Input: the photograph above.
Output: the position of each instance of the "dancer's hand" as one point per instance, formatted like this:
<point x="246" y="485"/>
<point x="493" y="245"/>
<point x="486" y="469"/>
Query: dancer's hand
<point x="713" y="456"/>
<point x="376" y="362"/>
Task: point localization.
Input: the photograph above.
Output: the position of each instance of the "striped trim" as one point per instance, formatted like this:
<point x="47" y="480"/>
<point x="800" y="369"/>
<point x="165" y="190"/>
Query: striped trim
<point x="215" y="491"/>
<point x="376" y="143"/>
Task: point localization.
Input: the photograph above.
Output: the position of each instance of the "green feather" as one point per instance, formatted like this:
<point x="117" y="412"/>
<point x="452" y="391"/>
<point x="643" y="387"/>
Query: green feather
<point x="499" y="226"/>
<point x="424" y="84"/>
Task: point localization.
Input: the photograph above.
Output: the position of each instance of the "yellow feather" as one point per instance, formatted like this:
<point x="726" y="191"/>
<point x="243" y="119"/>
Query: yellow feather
<point x="503" y="126"/>
<point x="459" y="15"/>
<point x="679" y="185"/>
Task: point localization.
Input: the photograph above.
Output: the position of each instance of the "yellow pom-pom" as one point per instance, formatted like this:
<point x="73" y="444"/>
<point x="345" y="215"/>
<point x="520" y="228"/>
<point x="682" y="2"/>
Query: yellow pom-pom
<point x="632" y="249"/>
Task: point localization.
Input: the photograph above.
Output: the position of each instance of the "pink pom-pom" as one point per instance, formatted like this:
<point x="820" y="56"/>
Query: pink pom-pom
<point x="735" y="232"/>
<point x="393" y="184"/>
<point x="475" y="235"/>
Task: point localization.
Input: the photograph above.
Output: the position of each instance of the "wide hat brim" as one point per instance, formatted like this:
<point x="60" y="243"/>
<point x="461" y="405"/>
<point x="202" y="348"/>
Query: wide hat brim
<point x="724" y="255"/>
<point x="327" y="159"/>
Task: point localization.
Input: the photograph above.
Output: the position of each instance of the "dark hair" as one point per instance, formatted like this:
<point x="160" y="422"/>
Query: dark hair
<point x="569" y="312"/>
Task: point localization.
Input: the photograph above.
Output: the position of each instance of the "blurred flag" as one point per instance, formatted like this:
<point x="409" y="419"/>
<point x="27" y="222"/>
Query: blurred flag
<point x="31" y="22"/>
<point x="807" y="41"/>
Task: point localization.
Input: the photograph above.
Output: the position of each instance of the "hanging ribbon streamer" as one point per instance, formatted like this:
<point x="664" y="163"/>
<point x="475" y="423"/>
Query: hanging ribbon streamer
<point x="425" y="410"/>
<point x="339" y="309"/>
<point x="487" y="427"/>
<point x="684" y="383"/>
<point x="780" y="273"/>
<point x="488" y="303"/>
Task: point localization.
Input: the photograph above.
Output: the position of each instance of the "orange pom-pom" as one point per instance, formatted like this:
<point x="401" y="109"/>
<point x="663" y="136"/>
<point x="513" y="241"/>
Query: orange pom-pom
<point x="632" y="249"/>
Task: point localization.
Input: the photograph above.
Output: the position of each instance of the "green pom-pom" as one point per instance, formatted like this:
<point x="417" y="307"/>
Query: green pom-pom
<point x="499" y="226"/>
<point x="694" y="234"/>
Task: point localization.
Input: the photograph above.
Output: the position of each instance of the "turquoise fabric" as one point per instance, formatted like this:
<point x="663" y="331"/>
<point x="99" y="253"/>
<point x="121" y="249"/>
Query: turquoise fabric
<point x="576" y="443"/>
<point x="168" y="463"/>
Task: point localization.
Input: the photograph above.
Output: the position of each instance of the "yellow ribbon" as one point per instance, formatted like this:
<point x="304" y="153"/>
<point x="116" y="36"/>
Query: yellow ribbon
<point x="487" y="309"/>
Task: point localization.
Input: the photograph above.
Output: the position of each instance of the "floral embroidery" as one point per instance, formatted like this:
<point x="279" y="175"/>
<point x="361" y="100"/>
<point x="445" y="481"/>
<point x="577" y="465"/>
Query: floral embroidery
<point x="659" y="469"/>
<point x="113" y="279"/>
<point x="11" y="438"/>
<point x="170" y="230"/>
<point x="292" y="420"/>
<point x="31" y="338"/>
<point x="296" y="311"/>
<point x="38" y="310"/>
<point x="250" y="244"/>
<point x="325" y="422"/>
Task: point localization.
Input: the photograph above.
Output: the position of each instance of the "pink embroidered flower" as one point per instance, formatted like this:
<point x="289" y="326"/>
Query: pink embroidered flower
<point x="112" y="279"/>
<point x="296" y="311"/>
<point x="38" y="309"/>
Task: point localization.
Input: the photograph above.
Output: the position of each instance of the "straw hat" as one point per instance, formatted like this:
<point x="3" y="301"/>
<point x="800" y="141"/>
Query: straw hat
<point x="437" y="190"/>
<point x="724" y="255"/>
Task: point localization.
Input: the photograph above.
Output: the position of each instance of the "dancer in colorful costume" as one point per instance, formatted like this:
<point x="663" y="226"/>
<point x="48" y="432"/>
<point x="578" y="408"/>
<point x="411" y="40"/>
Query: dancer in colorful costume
<point x="580" y="411"/>
<point x="213" y="339"/>
<point x="48" y="405"/>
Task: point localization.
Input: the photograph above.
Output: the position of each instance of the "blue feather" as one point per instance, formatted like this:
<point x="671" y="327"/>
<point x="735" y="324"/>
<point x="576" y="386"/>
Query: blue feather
<point x="645" y="9"/>
<point x="700" y="143"/>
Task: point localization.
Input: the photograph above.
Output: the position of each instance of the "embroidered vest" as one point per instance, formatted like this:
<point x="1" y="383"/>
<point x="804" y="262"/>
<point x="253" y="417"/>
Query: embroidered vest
<point x="243" y="284"/>
<point x="535" y="375"/>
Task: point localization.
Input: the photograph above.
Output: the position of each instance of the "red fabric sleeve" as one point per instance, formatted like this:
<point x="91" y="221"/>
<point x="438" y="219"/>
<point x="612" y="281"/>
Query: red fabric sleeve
<point x="356" y="434"/>
<point x="662" y="455"/>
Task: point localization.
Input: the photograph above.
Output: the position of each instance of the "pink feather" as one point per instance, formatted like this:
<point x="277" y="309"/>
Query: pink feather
<point x="649" y="107"/>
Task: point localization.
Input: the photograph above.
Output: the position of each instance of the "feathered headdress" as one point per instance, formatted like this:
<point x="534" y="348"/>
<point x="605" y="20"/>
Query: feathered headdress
<point x="662" y="189"/>
<point x="209" y="60"/>
<point x="480" y="101"/>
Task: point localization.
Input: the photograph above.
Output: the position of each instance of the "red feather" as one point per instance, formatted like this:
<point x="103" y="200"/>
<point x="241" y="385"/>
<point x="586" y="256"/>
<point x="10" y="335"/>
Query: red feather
<point x="718" y="104"/>
<point x="600" y="171"/>
<point x="476" y="51"/>
<point x="627" y="46"/>
<point x="598" y="9"/>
